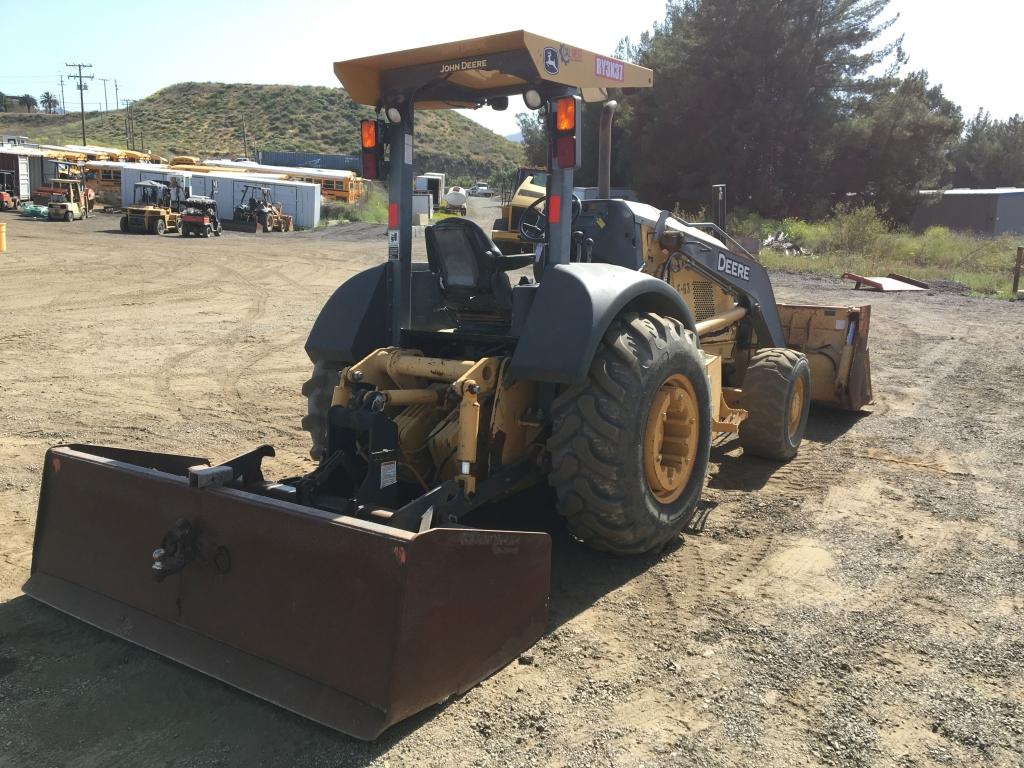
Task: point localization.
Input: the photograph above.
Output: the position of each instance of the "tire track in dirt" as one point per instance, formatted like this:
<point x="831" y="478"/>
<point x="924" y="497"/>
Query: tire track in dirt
<point x="172" y="368"/>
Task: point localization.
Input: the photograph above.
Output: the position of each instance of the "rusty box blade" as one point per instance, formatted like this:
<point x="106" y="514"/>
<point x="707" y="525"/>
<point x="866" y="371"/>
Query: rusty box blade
<point x="349" y="623"/>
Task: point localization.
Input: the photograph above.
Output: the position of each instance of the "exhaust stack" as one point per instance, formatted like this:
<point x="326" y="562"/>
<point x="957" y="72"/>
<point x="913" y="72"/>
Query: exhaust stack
<point x="604" y="159"/>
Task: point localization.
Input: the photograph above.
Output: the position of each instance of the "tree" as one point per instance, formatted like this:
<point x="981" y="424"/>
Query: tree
<point x="990" y="155"/>
<point x="28" y="102"/>
<point x="895" y="143"/>
<point x="49" y="102"/>
<point x="535" y="143"/>
<point x="3" y="102"/>
<point x="748" y="93"/>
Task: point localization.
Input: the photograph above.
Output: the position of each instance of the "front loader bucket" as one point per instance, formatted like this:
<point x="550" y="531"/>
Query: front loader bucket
<point x="835" y="341"/>
<point x="353" y="624"/>
<point x="240" y="226"/>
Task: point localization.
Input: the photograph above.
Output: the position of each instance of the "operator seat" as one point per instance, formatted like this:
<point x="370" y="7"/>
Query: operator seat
<point x="472" y="274"/>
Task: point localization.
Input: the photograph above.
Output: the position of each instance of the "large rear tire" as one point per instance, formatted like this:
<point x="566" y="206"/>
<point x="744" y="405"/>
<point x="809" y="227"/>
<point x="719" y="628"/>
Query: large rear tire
<point x="159" y="226"/>
<point x="124" y="224"/>
<point x="630" y="446"/>
<point x="777" y="397"/>
<point x="319" y="390"/>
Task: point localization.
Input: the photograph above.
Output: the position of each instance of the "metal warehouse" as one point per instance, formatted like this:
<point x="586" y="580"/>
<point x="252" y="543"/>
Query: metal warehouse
<point x="985" y="211"/>
<point x="298" y="199"/>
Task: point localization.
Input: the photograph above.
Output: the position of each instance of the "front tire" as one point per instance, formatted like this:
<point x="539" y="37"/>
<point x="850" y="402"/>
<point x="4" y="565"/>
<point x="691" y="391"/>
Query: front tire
<point x="159" y="227"/>
<point x="630" y="446"/>
<point x="319" y="391"/>
<point x="777" y="397"/>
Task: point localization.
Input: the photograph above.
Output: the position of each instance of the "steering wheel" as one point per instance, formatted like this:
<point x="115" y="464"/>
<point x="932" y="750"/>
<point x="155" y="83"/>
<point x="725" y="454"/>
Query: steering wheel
<point x="533" y="225"/>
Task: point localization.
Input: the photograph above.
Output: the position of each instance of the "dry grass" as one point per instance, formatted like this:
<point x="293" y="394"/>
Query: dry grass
<point x="858" y="240"/>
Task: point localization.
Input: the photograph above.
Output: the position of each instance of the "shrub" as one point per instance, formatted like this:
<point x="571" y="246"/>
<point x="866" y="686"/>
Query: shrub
<point x="373" y="207"/>
<point x="855" y="230"/>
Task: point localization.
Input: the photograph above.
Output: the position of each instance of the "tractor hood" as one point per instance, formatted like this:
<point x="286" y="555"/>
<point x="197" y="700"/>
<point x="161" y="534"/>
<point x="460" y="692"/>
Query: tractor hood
<point x="466" y="73"/>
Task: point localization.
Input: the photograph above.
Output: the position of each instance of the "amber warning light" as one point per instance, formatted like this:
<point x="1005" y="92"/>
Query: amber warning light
<point x="567" y="143"/>
<point x="370" y="136"/>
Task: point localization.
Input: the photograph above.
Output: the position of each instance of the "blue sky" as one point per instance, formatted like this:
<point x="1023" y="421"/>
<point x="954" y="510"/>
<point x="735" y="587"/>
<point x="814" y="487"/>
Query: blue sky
<point x="972" y="49"/>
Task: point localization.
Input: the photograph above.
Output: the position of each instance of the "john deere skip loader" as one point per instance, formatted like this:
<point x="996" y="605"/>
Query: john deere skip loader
<point x="361" y="593"/>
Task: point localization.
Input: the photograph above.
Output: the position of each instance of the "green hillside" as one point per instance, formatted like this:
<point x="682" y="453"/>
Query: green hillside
<point x="206" y="119"/>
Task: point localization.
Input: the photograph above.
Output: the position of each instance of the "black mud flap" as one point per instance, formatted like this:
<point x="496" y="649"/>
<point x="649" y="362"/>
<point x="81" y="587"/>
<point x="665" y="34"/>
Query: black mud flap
<point x="353" y="624"/>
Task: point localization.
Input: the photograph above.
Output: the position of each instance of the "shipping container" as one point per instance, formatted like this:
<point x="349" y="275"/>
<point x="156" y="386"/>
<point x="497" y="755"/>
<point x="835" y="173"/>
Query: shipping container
<point x="26" y="163"/>
<point x="313" y="160"/>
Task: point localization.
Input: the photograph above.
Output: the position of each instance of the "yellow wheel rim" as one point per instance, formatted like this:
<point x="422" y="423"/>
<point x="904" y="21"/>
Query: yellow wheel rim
<point x="670" y="438"/>
<point x="796" y="408"/>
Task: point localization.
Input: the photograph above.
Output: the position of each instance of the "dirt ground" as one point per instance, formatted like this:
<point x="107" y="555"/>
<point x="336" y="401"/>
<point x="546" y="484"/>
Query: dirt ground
<point x="861" y="605"/>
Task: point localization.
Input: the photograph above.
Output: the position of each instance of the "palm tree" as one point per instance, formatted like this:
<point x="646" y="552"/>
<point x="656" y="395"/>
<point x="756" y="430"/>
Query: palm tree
<point x="49" y="102"/>
<point x="28" y="101"/>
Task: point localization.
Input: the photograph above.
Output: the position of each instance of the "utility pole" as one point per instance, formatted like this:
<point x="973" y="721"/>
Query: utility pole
<point x="116" y="102"/>
<point x="82" y="88"/>
<point x="129" y="124"/>
<point x="245" y="140"/>
<point x="63" y="107"/>
<point x="106" y="106"/>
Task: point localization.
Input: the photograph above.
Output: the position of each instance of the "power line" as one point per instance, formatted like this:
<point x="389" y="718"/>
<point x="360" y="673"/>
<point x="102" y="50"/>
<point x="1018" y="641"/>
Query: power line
<point x="82" y="88"/>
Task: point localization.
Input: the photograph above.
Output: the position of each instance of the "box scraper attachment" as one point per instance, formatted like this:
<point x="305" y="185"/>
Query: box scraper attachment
<point x="348" y="622"/>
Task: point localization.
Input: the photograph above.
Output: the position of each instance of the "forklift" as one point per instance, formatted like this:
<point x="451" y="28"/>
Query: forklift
<point x="9" y="199"/>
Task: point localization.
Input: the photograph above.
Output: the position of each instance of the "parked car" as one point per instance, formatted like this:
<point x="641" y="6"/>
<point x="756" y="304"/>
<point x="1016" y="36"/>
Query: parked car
<point x="481" y="190"/>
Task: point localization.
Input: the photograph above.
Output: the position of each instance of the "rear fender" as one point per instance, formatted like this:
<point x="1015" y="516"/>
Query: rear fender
<point x="353" y="322"/>
<point x="574" y="306"/>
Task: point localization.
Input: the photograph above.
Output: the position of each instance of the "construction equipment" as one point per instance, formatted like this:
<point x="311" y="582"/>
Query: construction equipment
<point x="66" y="199"/>
<point x="60" y="208"/>
<point x="199" y="217"/>
<point x="71" y="190"/>
<point x="518" y="193"/>
<point x="255" y="210"/>
<point x="366" y="590"/>
<point x="153" y="210"/>
<point x="9" y="198"/>
<point x="69" y="201"/>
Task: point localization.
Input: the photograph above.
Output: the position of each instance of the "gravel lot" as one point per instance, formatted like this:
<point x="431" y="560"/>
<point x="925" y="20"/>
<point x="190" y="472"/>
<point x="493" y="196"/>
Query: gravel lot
<point x="861" y="605"/>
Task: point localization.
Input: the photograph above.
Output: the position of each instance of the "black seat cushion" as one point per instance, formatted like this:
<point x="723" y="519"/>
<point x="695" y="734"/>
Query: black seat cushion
<point x="471" y="270"/>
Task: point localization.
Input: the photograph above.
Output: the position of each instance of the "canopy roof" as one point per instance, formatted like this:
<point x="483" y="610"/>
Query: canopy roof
<point x="467" y="72"/>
